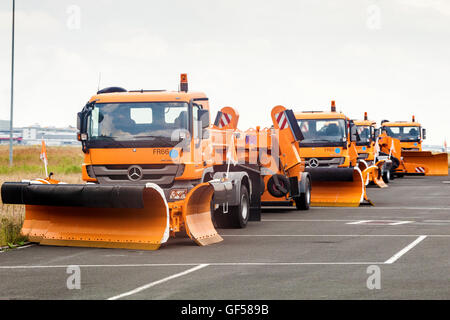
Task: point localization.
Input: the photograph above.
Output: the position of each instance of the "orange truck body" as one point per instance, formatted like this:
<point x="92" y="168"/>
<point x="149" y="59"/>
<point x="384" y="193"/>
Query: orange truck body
<point x="415" y="161"/>
<point x="151" y="172"/>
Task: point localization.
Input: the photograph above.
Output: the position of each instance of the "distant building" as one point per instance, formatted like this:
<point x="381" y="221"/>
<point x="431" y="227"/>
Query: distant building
<point x="34" y="134"/>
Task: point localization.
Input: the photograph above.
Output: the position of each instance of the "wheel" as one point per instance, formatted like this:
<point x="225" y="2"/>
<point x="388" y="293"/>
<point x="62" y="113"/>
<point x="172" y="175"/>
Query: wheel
<point x="392" y="175"/>
<point x="237" y="216"/>
<point x="386" y="176"/>
<point x="303" y="202"/>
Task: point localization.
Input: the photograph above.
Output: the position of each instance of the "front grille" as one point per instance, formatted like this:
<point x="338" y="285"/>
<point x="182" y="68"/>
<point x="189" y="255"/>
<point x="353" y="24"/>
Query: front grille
<point x="160" y="174"/>
<point x="363" y="155"/>
<point x="326" y="161"/>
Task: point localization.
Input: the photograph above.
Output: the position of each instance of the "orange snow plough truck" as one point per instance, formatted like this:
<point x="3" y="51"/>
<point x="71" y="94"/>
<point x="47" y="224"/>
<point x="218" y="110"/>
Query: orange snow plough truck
<point x="329" y="149"/>
<point x="368" y="154"/>
<point x="275" y="151"/>
<point x="146" y="179"/>
<point x="416" y="161"/>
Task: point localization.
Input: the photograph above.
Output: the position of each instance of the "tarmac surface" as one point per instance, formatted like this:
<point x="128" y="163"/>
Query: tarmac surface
<point x="401" y="246"/>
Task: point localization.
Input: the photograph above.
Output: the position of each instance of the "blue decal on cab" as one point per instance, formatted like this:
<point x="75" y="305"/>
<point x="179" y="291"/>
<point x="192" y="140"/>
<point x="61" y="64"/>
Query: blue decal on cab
<point x="173" y="153"/>
<point x="337" y="150"/>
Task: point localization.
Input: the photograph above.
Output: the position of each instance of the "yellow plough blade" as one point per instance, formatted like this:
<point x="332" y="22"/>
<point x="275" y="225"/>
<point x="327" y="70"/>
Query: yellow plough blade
<point x="145" y="228"/>
<point x="426" y="162"/>
<point x="197" y="215"/>
<point x="374" y="174"/>
<point x="349" y="192"/>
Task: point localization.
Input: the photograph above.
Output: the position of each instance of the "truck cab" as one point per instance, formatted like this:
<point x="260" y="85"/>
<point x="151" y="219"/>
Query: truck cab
<point x="145" y="136"/>
<point x="410" y="134"/>
<point x="329" y="139"/>
<point x="366" y="144"/>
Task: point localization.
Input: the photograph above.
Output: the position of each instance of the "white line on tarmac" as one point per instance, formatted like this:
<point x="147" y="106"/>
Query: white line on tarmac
<point x="386" y="208"/>
<point x="17" y="248"/>
<point x="307" y="220"/>
<point x="191" y="264"/>
<point x="380" y="222"/>
<point x="330" y="235"/>
<point x="152" y="284"/>
<point x="397" y="256"/>
<point x="27" y="246"/>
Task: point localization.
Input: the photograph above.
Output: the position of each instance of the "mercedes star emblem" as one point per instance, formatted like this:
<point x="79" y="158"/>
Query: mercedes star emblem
<point x="313" y="163"/>
<point x="134" y="173"/>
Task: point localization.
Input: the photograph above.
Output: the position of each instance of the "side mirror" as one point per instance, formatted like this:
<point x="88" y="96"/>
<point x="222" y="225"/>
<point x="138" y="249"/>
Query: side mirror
<point x="376" y="134"/>
<point x="81" y="126"/>
<point x="79" y="117"/>
<point x="203" y="117"/>
<point x="354" y="136"/>
<point x="424" y="133"/>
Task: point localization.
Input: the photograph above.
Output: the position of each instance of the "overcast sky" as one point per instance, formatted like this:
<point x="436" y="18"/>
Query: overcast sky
<point x="387" y="57"/>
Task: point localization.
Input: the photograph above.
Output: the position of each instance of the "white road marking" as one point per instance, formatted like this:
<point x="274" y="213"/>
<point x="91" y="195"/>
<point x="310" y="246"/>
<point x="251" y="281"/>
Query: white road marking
<point x="380" y="222"/>
<point x="27" y="246"/>
<point x="191" y="264"/>
<point x="400" y="222"/>
<point x="330" y="235"/>
<point x="306" y="220"/>
<point x="152" y="284"/>
<point x="397" y="256"/>
<point x="384" y="208"/>
<point x="4" y="249"/>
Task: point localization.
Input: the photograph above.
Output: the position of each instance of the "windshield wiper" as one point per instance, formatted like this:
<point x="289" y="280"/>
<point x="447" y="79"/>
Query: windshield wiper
<point x="165" y="140"/>
<point x="108" y="138"/>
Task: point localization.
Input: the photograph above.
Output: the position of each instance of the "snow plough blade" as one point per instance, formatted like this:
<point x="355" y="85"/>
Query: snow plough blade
<point x="376" y="176"/>
<point x="131" y="217"/>
<point x="425" y="162"/>
<point x="197" y="215"/>
<point x="337" y="187"/>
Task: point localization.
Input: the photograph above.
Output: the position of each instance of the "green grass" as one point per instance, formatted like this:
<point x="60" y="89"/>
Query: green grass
<point x="64" y="162"/>
<point x="10" y="233"/>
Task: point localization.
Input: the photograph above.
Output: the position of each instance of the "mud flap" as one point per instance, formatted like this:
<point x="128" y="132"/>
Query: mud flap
<point x="337" y="187"/>
<point x="197" y="215"/>
<point x="425" y="162"/>
<point x="92" y="215"/>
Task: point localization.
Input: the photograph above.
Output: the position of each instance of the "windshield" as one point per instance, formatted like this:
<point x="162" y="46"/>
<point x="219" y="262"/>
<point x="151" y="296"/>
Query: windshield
<point x="404" y="133"/>
<point x="364" y="134"/>
<point x="137" y="121"/>
<point x="322" y="130"/>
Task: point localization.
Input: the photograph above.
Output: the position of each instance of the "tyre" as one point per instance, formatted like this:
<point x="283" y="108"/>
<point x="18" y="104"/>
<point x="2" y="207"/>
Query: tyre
<point x="237" y="216"/>
<point x="386" y="176"/>
<point x="303" y="202"/>
<point x="392" y="175"/>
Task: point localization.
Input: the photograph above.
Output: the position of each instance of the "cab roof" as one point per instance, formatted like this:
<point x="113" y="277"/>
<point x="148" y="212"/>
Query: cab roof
<point x="146" y="96"/>
<point x="319" y="115"/>
<point x="401" y="124"/>
<point x="364" y="122"/>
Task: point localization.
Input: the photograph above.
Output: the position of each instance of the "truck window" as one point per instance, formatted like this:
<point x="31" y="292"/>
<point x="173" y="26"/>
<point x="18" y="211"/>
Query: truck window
<point x="141" y="115"/>
<point x="138" y="121"/>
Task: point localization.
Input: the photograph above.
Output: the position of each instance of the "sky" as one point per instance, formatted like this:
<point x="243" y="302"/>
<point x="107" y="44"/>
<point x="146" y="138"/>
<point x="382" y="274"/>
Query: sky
<point x="390" y="58"/>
